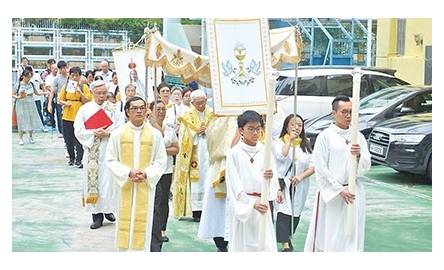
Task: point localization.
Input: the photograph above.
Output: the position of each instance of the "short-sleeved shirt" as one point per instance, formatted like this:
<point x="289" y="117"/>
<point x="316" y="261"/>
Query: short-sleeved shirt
<point x="69" y="113"/>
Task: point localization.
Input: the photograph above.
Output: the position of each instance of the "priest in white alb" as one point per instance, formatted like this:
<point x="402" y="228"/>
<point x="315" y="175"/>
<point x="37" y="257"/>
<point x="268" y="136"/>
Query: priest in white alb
<point x="92" y="127"/>
<point x="137" y="157"/>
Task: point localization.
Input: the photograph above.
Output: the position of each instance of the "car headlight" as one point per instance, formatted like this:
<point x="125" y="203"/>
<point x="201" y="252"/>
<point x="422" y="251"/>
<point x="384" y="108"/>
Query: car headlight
<point x="410" y="138"/>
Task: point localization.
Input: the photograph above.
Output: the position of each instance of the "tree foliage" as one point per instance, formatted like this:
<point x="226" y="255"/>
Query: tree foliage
<point x="134" y="26"/>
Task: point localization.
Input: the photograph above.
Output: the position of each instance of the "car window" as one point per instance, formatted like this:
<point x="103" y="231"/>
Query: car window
<point x="343" y="85"/>
<point x="381" y="99"/>
<point x="418" y="104"/>
<point x="310" y="86"/>
<point x="381" y="82"/>
<point x="307" y="86"/>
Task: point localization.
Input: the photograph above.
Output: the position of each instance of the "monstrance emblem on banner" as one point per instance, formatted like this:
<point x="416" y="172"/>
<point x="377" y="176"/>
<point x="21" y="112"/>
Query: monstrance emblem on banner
<point x="240" y="58"/>
<point x="240" y="75"/>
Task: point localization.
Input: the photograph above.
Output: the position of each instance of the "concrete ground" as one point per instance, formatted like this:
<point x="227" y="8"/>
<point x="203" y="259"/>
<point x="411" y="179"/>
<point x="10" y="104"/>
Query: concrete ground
<point x="47" y="215"/>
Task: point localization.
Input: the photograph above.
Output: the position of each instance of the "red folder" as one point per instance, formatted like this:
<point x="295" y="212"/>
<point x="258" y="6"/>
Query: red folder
<point x="98" y="120"/>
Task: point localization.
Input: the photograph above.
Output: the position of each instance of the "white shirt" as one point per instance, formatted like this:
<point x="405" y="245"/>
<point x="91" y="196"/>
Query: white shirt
<point x="37" y="81"/>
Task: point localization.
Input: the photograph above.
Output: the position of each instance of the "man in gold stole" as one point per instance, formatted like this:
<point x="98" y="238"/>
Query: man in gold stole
<point x="137" y="158"/>
<point x="192" y="161"/>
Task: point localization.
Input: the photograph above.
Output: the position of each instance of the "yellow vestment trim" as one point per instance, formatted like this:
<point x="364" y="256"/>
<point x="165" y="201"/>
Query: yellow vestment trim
<point x="142" y="195"/>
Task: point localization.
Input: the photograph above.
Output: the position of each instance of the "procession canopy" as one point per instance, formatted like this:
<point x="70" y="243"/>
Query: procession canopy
<point x="286" y="46"/>
<point x="177" y="61"/>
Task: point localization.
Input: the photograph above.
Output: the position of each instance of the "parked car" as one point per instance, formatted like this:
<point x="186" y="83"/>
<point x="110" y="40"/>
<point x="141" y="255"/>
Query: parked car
<point x="382" y="105"/>
<point x="318" y="85"/>
<point x="404" y="144"/>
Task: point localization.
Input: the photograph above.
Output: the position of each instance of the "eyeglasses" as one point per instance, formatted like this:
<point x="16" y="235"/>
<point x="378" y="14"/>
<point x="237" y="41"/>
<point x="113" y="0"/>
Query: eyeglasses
<point x="161" y="109"/>
<point x="346" y="113"/>
<point x="252" y="129"/>
<point x="137" y="108"/>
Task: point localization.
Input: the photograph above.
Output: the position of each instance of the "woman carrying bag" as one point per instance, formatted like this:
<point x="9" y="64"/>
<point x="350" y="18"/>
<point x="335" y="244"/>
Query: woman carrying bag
<point x="27" y="116"/>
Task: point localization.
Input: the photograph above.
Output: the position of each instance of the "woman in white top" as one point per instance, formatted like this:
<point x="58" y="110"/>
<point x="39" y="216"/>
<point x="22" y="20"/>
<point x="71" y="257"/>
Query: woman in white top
<point x="293" y="176"/>
<point x="186" y="99"/>
<point x="157" y="118"/>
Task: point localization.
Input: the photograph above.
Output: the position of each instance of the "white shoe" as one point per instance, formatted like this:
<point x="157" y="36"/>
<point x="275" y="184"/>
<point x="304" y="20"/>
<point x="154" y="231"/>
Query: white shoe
<point x="31" y="140"/>
<point x="21" y="142"/>
<point x="45" y="130"/>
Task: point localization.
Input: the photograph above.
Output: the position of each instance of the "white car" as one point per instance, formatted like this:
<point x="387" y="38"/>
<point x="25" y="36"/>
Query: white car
<point x="318" y="85"/>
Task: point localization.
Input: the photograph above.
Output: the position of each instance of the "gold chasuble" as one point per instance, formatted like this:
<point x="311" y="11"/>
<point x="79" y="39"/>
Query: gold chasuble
<point x="127" y="190"/>
<point x="219" y="137"/>
<point x="187" y="161"/>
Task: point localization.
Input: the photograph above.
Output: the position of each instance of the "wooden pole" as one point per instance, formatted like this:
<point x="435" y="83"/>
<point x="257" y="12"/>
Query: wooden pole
<point x="267" y="155"/>
<point x="356" y="73"/>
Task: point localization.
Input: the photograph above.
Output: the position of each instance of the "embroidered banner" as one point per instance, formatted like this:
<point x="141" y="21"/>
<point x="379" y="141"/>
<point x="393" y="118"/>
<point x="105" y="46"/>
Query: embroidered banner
<point x="239" y="55"/>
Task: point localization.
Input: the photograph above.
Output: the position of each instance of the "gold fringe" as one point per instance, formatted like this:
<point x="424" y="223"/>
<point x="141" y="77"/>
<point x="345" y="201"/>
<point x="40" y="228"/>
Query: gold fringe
<point x="83" y="201"/>
<point x="220" y="195"/>
<point x="92" y="198"/>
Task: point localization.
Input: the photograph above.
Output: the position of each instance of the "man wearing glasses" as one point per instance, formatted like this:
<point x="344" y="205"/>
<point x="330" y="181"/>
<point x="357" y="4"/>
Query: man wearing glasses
<point x="137" y="157"/>
<point x="192" y="161"/>
<point x="328" y="231"/>
<point x="94" y="122"/>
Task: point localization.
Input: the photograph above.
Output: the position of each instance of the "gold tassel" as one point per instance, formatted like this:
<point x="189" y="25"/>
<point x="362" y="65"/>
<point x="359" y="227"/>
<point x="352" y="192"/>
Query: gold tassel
<point x="83" y="201"/>
<point x="92" y="198"/>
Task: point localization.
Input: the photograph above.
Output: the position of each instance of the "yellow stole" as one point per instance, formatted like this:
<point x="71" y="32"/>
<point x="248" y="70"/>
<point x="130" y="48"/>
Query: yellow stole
<point x="142" y="196"/>
<point x="187" y="169"/>
<point x="295" y="142"/>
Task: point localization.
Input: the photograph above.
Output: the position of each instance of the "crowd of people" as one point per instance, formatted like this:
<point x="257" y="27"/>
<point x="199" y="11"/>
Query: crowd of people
<point x="138" y="157"/>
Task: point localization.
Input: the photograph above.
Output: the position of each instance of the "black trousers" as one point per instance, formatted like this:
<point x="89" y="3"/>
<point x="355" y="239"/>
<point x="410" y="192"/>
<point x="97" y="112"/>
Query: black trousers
<point x="283" y="227"/>
<point x="72" y="142"/>
<point x="156" y="236"/>
<point x="164" y="208"/>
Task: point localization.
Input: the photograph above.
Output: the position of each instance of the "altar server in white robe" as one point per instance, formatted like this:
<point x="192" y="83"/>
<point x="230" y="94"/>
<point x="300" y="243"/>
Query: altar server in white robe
<point x="328" y="230"/>
<point x="98" y="191"/>
<point x="137" y="157"/>
<point x="244" y="177"/>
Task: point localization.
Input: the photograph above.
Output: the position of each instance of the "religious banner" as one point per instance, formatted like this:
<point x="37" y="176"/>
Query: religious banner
<point x="240" y="60"/>
<point x="286" y="45"/>
<point x="131" y="69"/>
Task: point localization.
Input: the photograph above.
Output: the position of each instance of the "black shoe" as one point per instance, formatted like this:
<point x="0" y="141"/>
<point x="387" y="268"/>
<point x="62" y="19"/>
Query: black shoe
<point x="165" y="239"/>
<point x="71" y="162"/>
<point x="222" y="249"/>
<point x="196" y="219"/>
<point x="110" y="217"/>
<point x="78" y="164"/>
<point x="97" y="221"/>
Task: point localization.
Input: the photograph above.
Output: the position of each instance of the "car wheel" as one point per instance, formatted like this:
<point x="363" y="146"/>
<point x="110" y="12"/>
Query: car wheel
<point x="429" y="170"/>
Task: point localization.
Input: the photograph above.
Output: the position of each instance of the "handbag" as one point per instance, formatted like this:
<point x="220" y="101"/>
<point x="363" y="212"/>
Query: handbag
<point x="282" y="184"/>
<point x="14" y="117"/>
<point x="14" y="113"/>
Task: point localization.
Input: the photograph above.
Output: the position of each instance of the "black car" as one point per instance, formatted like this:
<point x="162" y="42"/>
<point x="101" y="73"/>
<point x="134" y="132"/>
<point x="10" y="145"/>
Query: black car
<point x="404" y="144"/>
<point x="385" y="104"/>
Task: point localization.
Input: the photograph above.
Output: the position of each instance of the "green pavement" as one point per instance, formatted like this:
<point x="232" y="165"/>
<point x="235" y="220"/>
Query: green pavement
<point x="47" y="215"/>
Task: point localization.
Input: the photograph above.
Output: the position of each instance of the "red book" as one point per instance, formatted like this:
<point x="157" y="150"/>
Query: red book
<point x="99" y="120"/>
